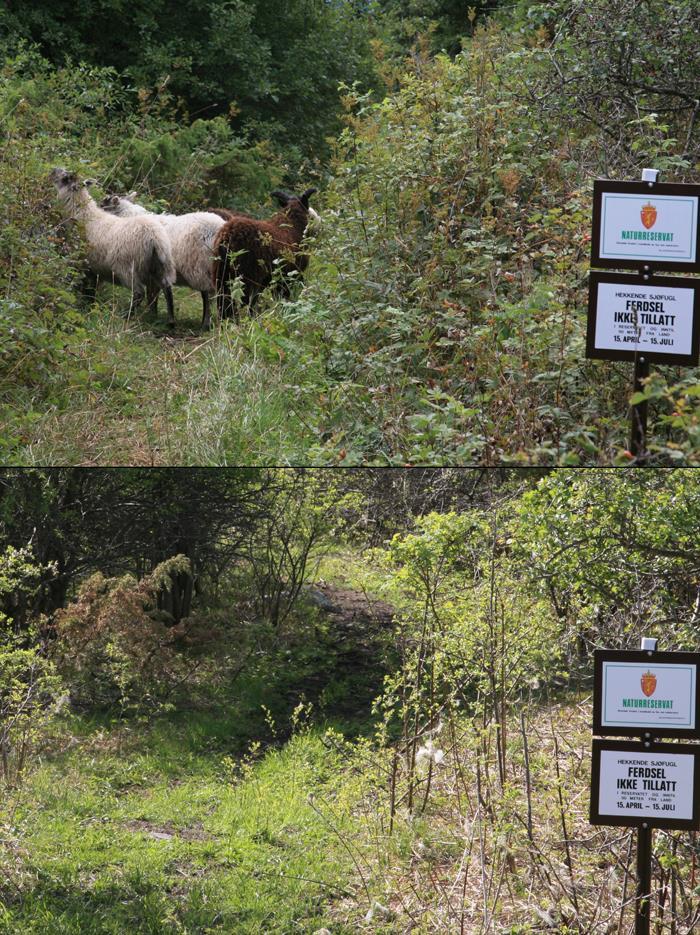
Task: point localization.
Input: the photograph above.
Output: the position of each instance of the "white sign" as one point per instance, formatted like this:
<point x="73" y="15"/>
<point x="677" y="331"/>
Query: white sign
<point x="648" y="227"/>
<point x="648" y="695"/>
<point x="646" y="785"/>
<point x="644" y="318"/>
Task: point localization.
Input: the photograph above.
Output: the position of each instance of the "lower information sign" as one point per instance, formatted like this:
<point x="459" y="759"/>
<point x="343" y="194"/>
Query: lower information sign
<point x="632" y="784"/>
<point x="629" y="316"/>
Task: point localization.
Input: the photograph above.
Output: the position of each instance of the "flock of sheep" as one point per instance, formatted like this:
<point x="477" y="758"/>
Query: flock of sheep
<point x="205" y="250"/>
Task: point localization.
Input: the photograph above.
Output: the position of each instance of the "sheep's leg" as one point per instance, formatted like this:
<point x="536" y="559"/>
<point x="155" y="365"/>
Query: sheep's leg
<point x="152" y="300"/>
<point x="168" y="292"/>
<point x="136" y="300"/>
<point x="250" y="296"/>
<point x="89" y="287"/>
<point x="206" y="312"/>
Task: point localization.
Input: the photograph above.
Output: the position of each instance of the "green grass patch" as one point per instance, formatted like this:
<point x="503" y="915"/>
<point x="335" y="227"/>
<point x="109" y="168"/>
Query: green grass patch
<point x="156" y="830"/>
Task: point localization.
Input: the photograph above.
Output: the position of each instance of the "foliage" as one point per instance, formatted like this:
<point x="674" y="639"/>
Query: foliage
<point x="304" y="522"/>
<point x="271" y="66"/>
<point x="617" y="554"/>
<point x="117" y="649"/>
<point x="459" y="802"/>
<point x="30" y="689"/>
<point x="630" y="73"/>
<point x="471" y="634"/>
<point x="443" y="317"/>
<point x="448" y="290"/>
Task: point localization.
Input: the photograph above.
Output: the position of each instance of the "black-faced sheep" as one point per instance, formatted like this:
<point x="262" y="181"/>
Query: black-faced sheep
<point x="191" y="239"/>
<point x="134" y="250"/>
<point x="253" y="249"/>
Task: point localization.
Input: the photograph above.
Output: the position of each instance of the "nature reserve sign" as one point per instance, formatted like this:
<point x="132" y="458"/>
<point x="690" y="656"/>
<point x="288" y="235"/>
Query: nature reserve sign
<point x="645" y="318"/>
<point x="627" y="317"/>
<point x="660" y="787"/>
<point x="636" y="693"/>
<point x="635" y="224"/>
<point x="642" y="783"/>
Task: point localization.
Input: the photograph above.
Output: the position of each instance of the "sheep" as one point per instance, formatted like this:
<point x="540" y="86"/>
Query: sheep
<point x="258" y="246"/>
<point x="191" y="238"/>
<point x="135" y="251"/>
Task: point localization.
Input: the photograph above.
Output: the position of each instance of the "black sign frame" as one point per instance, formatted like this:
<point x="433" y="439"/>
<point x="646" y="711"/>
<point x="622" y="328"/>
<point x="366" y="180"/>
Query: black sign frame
<point x="601" y="186"/>
<point x="646" y="821"/>
<point x="626" y="280"/>
<point x="642" y="656"/>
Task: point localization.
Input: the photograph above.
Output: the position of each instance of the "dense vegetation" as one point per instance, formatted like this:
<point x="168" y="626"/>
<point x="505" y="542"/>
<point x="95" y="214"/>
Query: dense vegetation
<point x="444" y="315"/>
<point x="287" y="701"/>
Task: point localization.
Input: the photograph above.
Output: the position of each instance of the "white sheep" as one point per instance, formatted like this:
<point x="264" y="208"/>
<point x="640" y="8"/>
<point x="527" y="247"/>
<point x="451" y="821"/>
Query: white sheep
<point x="191" y="237"/>
<point x="134" y="250"/>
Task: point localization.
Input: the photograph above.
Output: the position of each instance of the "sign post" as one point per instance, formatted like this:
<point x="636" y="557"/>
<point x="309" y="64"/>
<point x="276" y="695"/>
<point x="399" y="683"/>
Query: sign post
<point x="645" y="784"/>
<point x="644" y="318"/>
<point x="639" y="412"/>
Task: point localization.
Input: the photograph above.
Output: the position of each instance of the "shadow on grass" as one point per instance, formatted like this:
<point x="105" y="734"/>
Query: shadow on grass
<point x="53" y="907"/>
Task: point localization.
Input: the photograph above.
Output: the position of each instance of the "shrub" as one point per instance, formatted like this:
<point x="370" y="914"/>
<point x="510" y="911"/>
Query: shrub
<point x="29" y="686"/>
<point x="117" y="649"/>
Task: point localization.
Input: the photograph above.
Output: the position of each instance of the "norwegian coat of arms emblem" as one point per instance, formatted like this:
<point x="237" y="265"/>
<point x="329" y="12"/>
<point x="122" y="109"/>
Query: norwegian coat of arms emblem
<point x="648" y="683"/>
<point x="648" y="214"/>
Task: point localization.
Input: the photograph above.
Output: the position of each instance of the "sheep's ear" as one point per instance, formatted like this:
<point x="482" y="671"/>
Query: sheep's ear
<point x="89" y="182"/>
<point x="281" y="196"/>
<point x="131" y="196"/>
<point x="307" y="194"/>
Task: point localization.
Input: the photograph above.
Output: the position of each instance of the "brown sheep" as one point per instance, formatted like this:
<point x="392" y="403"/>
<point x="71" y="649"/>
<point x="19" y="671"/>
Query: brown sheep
<point x="251" y="249"/>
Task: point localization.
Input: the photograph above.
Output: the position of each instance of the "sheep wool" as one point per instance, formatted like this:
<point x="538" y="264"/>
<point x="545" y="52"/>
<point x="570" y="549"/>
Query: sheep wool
<point x="252" y="249"/>
<point x="191" y="239"/>
<point x="135" y="250"/>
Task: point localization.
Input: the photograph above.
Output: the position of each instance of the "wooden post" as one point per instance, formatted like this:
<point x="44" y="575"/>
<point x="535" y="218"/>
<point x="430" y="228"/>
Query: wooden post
<point x="639" y="415"/>
<point x="642" y="912"/>
<point x="638" y="418"/>
<point x="642" y="908"/>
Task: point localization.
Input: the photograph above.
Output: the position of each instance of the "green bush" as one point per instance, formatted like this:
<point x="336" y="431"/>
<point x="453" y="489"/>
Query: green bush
<point x="29" y="686"/>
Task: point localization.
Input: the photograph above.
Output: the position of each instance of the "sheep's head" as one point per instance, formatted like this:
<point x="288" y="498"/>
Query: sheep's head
<point x="110" y="203"/>
<point x="64" y="180"/>
<point x="285" y="198"/>
<point x="122" y="206"/>
<point x="72" y="193"/>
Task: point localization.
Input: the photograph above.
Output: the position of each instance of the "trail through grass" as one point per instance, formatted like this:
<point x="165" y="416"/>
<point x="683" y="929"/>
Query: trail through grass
<point x="147" y="394"/>
<point x="160" y="830"/>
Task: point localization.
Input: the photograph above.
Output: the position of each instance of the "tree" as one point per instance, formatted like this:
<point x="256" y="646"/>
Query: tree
<point x="272" y="66"/>
<point x="130" y="521"/>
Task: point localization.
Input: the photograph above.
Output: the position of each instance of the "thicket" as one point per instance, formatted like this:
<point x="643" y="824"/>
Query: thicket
<point x="450" y="288"/>
<point x="444" y="315"/>
<point x="30" y="687"/>
<point x="475" y="781"/>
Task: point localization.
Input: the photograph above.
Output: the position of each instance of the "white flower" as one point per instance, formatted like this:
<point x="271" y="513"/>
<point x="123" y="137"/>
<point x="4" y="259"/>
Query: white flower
<point x="383" y="912"/>
<point x="429" y="753"/>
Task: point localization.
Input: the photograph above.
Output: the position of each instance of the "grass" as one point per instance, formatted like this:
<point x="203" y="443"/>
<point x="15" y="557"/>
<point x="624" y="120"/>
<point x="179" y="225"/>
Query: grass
<point x="170" y="828"/>
<point x="225" y="817"/>
<point x="146" y="394"/>
<point x="159" y="830"/>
